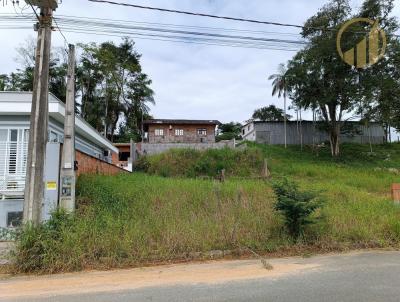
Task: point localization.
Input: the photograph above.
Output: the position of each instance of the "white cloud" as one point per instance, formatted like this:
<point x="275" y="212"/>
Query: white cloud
<point x="193" y="81"/>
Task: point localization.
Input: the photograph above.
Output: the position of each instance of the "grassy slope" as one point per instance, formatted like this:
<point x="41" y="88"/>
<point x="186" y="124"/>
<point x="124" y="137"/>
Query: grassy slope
<point x="133" y="219"/>
<point x="356" y="186"/>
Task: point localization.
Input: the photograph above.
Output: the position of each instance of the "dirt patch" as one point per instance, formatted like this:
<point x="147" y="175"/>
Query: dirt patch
<point x="90" y="282"/>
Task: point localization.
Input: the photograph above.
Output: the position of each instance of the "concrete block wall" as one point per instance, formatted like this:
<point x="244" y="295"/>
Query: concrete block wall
<point x="151" y="149"/>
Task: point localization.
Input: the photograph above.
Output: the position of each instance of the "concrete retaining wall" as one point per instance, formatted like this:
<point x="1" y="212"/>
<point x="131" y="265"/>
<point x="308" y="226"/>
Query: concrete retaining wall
<point x="151" y="149"/>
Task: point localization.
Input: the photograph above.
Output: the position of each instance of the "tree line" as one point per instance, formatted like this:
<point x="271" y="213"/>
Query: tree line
<point x="113" y="93"/>
<point x="317" y="79"/>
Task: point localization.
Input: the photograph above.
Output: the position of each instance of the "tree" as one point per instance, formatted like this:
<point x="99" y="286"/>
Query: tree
<point x="270" y="113"/>
<point x="380" y="89"/>
<point x="114" y="88"/>
<point x="229" y="131"/>
<point x="318" y="78"/>
<point x="280" y="87"/>
<point x="296" y="206"/>
<point x="112" y="92"/>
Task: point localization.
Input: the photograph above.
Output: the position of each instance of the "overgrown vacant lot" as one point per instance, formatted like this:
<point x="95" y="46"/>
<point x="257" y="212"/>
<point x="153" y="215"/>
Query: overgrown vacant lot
<point x="136" y="219"/>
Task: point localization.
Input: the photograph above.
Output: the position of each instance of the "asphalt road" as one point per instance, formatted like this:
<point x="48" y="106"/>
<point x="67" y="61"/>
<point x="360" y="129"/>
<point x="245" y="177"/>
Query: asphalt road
<point x="364" y="277"/>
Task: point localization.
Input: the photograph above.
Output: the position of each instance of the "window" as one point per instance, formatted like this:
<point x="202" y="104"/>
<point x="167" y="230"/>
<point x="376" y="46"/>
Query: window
<point x="14" y="219"/>
<point x="12" y="160"/>
<point x="124" y="156"/>
<point x="202" y="132"/>
<point x="53" y="137"/>
<point x="179" y="132"/>
<point x="159" y="132"/>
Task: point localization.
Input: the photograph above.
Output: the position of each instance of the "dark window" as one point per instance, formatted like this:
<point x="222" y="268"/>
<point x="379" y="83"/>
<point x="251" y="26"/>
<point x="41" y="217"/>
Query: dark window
<point x="124" y="156"/>
<point x="12" y="165"/>
<point x="202" y="132"/>
<point x="14" y="219"/>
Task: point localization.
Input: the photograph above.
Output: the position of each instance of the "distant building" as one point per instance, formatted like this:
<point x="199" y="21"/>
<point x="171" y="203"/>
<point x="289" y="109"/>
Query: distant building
<point x="126" y="155"/>
<point x="160" y="131"/>
<point x="273" y="133"/>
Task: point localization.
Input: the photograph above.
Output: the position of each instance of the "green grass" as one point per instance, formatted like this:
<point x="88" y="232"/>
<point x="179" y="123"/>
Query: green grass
<point x="131" y="220"/>
<point x="193" y="163"/>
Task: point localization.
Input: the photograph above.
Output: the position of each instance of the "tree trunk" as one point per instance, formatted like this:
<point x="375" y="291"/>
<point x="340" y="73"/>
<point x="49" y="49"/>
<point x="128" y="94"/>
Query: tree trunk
<point x="285" y="119"/>
<point x="334" y="141"/>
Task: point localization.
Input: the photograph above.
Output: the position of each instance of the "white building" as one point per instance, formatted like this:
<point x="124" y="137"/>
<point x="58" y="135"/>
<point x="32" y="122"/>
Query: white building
<point x="307" y="132"/>
<point x="15" y="108"/>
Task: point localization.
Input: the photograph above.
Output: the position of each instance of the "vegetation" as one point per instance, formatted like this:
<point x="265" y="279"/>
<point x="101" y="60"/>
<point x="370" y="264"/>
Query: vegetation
<point x="110" y="85"/>
<point x="270" y="113"/>
<point x="296" y="206"/>
<point x="131" y="220"/>
<point x="210" y="163"/>
<point x="229" y="131"/>
<point x="318" y="79"/>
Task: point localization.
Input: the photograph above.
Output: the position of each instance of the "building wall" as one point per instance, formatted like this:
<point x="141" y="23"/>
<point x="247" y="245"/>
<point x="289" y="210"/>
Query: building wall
<point x="151" y="149"/>
<point x="91" y="165"/>
<point x="189" y="134"/>
<point x="273" y="133"/>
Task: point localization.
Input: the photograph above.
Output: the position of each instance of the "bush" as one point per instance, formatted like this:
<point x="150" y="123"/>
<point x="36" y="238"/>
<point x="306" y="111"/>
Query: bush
<point x="36" y="243"/>
<point x="195" y="163"/>
<point x="296" y="206"/>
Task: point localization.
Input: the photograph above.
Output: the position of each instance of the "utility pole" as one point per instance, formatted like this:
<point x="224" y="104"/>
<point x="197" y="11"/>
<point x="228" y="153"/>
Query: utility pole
<point x="34" y="185"/>
<point x="67" y="175"/>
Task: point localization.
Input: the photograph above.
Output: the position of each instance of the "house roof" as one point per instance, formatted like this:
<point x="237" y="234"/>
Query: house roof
<point x="19" y="103"/>
<point x="181" y="122"/>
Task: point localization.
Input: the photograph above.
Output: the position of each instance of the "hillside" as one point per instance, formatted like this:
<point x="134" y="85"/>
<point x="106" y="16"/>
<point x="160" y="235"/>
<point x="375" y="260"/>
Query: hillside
<point x="131" y="220"/>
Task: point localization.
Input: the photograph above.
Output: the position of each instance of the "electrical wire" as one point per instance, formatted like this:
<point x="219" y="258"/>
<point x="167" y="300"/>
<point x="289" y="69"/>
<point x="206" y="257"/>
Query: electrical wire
<point x="166" y="32"/>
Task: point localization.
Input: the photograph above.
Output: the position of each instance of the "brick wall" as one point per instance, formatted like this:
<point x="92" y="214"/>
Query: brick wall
<point x="190" y="134"/>
<point x="91" y="165"/>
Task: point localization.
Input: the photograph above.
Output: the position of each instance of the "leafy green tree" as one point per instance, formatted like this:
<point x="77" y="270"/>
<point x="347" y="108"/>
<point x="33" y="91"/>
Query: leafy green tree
<point x="229" y="131"/>
<point x="270" y="113"/>
<point x="318" y="78"/>
<point x="3" y="82"/>
<point x="113" y="87"/>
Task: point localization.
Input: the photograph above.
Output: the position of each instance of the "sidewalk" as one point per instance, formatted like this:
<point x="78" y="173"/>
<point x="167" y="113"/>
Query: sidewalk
<point x="213" y="272"/>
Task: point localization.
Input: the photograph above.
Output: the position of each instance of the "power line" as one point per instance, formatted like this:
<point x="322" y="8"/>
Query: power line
<point x="198" y="14"/>
<point x="166" y="32"/>
<point x="223" y="17"/>
<point x="65" y="39"/>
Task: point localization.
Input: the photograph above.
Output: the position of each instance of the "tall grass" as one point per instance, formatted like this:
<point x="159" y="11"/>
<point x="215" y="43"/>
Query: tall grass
<point x="195" y="163"/>
<point x="130" y="220"/>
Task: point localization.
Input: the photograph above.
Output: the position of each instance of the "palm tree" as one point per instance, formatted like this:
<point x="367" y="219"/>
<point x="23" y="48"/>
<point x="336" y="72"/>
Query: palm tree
<point x="279" y="86"/>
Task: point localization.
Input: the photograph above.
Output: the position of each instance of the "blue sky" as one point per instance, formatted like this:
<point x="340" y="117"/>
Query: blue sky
<point x="193" y="81"/>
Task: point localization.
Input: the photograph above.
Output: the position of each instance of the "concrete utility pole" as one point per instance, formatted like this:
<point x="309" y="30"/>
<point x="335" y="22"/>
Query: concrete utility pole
<point x="34" y="185"/>
<point x="67" y="175"/>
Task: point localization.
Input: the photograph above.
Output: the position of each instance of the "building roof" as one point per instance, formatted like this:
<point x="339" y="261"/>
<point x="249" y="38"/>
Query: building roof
<point x="303" y="121"/>
<point x="180" y="122"/>
<point x="19" y="103"/>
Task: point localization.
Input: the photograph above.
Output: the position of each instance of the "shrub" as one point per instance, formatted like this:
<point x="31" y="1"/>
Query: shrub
<point x="36" y="242"/>
<point x="195" y="163"/>
<point x="295" y="205"/>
